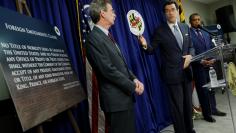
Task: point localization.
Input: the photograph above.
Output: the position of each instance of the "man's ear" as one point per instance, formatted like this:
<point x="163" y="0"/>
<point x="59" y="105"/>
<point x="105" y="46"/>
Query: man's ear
<point x="102" y="14"/>
<point x="177" y="10"/>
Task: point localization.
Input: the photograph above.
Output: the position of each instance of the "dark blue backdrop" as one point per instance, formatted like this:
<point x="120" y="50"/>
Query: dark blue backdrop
<point x="151" y="109"/>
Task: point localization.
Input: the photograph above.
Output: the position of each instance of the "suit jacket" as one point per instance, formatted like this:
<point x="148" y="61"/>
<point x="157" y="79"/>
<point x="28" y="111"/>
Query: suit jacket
<point x="116" y="86"/>
<point x="172" y="61"/>
<point x="197" y="44"/>
<point x="200" y="72"/>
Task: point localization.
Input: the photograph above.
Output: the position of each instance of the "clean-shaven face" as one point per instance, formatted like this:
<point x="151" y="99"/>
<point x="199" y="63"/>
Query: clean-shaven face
<point x="109" y="15"/>
<point x="171" y="13"/>
<point x="195" y="21"/>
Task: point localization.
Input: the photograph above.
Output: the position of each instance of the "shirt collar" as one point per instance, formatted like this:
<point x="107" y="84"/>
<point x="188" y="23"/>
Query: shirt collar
<point x="196" y="30"/>
<point x="103" y="29"/>
<point x="171" y="24"/>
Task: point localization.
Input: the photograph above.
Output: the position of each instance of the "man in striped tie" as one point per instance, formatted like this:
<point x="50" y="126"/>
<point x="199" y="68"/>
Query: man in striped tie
<point x="201" y="43"/>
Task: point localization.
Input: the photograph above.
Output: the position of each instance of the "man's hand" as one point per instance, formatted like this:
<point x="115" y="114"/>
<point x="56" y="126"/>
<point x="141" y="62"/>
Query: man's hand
<point x="139" y="87"/>
<point x="212" y="61"/>
<point x="204" y="62"/>
<point x="208" y="63"/>
<point x="142" y="41"/>
<point x="187" y="60"/>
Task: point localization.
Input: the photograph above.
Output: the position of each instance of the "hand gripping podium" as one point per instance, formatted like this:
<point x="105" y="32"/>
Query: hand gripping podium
<point x="221" y="53"/>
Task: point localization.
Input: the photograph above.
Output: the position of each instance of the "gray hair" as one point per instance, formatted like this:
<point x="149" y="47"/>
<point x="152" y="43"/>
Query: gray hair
<point x="96" y="7"/>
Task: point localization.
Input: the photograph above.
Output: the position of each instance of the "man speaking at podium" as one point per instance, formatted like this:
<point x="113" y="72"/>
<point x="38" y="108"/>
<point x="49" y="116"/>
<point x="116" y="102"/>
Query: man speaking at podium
<point x="117" y="85"/>
<point x="176" y="51"/>
<point x="201" y="43"/>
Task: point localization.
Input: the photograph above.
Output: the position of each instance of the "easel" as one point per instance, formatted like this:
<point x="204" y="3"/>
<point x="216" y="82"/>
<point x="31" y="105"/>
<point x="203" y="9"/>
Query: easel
<point x="22" y="8"/>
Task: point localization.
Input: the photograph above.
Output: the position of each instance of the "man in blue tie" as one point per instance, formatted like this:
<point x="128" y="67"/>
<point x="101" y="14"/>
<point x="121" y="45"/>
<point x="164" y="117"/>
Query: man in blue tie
<point x="176" y="51"/>
<point x="201" y="43"/>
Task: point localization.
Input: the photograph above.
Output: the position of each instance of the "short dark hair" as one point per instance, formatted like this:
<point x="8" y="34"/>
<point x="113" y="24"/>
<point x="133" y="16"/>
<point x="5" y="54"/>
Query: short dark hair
<point x="192" y="15"/>
<point x="170" y="2"/>
<point x="96" y="7"/>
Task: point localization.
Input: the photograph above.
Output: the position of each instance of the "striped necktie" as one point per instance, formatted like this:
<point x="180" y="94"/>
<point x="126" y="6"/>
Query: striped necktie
<point x="199" y="35"/>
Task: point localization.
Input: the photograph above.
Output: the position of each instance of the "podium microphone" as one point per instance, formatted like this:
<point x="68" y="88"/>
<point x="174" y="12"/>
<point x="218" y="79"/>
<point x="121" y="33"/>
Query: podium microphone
<point x="213" y="40"/>
<point x="200" y="27"/>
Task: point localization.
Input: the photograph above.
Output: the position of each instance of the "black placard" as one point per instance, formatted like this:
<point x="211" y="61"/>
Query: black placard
<point x="37" y="68"/>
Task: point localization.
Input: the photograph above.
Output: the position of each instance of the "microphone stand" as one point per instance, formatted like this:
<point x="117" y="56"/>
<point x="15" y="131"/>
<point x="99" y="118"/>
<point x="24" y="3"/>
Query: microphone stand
<point x="200" y="27"/>
<point x="212" y="34"/>
<point x="214" y="42"/>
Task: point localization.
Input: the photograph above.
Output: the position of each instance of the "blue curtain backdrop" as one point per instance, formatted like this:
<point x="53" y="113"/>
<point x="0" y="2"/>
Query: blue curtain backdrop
<point x="152" y="112"/>
<point x="61" y="13"/>
<point x="152" y="107"/>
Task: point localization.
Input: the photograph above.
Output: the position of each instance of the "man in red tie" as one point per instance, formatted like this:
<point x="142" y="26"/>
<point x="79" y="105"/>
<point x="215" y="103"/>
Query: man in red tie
<point x="117" y="84"/>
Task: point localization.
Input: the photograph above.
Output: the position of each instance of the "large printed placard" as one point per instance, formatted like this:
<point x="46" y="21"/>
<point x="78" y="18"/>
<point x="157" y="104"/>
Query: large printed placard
<point x="36" y="68"/>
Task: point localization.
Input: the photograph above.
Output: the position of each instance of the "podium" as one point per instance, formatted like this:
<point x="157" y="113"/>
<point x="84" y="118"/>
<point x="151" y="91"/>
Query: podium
<point x="222" y="53"/>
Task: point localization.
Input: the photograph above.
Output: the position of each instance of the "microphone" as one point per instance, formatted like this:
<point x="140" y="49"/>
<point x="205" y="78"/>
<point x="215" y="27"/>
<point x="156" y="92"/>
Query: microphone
<point x="200" y="27"/>
<point x="213" y="40"/>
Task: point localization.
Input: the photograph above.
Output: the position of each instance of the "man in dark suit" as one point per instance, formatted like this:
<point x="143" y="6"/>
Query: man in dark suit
<point x="176" y="51"/>
<point x="117" y="85"/>
<point x="201" y="43"/>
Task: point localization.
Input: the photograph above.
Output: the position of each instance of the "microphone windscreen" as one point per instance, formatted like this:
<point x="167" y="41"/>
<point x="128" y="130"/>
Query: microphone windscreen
<point x="199" y="26"/>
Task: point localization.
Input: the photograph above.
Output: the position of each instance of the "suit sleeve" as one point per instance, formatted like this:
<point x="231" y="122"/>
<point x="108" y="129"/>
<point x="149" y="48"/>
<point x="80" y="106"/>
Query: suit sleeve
<point x="154" y="43"/>
<point x="105" y="67"/>
<point x="191" y="48"/>
<point x="132" y="76"/>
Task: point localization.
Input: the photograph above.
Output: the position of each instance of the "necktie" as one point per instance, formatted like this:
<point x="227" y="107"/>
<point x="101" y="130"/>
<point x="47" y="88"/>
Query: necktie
<point x="178" y="36"/>
<point x="200" y="38"/>
<point x="118" y="49"/>
<point x="113" y="40"/>
<point x="111" y="37"/>
<point x="199" y="35"/>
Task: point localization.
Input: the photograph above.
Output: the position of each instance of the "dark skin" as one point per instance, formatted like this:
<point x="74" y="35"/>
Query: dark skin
<point x="195" y="22"/>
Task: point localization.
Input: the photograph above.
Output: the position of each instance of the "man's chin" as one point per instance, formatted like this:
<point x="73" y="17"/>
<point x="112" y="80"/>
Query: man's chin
<point x="172" y="21"/>
<point x="112" y="23"/>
